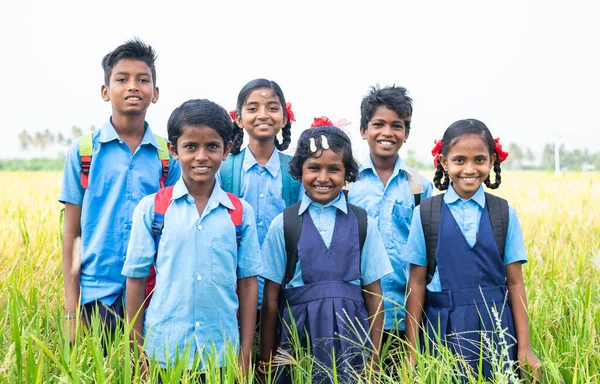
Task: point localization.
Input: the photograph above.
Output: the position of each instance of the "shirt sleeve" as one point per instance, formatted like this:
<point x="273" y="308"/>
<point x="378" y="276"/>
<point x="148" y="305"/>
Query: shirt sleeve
<point x="249" y="257"/>
<point x="427" y="188"/>
<point x="141" y="247"/>
<point x="72" y="192"/>
<point x="514" y="249"/>
<point x="415" y="251"/>
<point x="174" y="171"/>
<point x="374" y="260"/>
<point x="273" y="252"/>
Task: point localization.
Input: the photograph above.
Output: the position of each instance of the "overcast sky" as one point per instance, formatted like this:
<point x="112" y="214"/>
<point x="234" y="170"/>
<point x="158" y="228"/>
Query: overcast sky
<point x="529" y="70"/>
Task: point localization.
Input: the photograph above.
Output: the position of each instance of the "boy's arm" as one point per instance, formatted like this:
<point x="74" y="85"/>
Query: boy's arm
<point x="71" y="264"/>
<point x="135" y="296"/>
<point x="268" y="320"/>
<point x="518" y="300"/>
<point x="374" y="303"/>
<point x="415" y="303"/>
<point x="248" y="296"/>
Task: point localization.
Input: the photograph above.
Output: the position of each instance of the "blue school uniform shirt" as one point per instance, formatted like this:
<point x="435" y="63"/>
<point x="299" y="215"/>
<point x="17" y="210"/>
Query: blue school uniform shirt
<point x="391" y="206"/>
<point x="194" y="303"/>
<point x="467" y="213"/>
<point x="118" y="180"/>
<point x="374" y="262"/>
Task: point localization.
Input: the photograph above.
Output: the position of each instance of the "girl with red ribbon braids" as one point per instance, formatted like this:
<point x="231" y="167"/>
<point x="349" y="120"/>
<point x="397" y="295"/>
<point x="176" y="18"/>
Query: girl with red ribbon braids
<point x="259" y="173"/>
<point x="466" y="250"/>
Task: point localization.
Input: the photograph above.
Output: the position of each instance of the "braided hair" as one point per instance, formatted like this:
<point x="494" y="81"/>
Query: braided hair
<point x="238" y="132"/>
<point x="441" y="180"/>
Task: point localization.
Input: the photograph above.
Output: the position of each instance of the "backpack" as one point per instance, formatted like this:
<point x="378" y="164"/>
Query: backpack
<point x="162" y="200"/>
<point x="292" y="225"/>
<point x="431" y="210"/>
<point x="231" y="176"/>
<point x="86" y="150"/>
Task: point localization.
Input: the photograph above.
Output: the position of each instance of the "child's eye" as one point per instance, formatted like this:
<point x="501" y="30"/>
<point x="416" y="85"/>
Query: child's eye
<point x="213" y="146"/>
<point x="189" y="147"/>
<point x="274" y="109"/>
<point x="144" y="81"/>
<point x="399" y="127"/>
<point x="121" y="79"/>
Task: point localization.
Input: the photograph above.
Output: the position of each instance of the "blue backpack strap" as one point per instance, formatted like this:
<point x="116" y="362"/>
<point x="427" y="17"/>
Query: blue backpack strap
<point x="290" y="186"/>
<point x="231" y="173"/>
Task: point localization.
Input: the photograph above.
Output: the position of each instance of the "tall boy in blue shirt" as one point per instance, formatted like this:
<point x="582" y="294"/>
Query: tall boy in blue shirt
<point x="383" y="189"/>
<point x="99" y="202"/>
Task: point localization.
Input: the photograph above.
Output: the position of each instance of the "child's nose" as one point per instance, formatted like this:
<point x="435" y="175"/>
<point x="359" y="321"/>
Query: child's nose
<point x="201" y="154"/>
<point x="262" y="113"/>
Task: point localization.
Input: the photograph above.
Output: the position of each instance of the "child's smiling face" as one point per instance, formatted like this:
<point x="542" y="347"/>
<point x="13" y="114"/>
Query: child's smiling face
<point x="468" y="163"/>
<point x="200" y="151"/>
<point x="385" y="133"/>
<point x="262" y="114"/>
<point x="323" y="177"/>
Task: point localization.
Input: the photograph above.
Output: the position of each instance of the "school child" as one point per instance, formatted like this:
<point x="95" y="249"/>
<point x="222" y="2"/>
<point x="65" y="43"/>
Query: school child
<point x="106" y="174"/>
<point x="196" y="257"/>
<point x="466" y="250"/>
<point x="389" y="190"/>
<point x="259" y="173"/>
<point x="333" y="290"/>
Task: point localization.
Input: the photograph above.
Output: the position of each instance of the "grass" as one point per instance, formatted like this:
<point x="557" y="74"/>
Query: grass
<point x="561" y="226"/>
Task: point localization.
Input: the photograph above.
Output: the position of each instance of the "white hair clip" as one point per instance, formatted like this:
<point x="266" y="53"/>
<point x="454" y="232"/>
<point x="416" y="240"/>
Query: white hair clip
<point x="324" y="142"/>
<point x="313" y="145"/>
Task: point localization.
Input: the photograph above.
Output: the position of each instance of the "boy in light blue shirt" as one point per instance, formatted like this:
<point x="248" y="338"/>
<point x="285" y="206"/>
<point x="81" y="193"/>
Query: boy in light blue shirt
<point x="198" y="262"/>
<point x="101" y="190"/>
<point x="387" y="189"/>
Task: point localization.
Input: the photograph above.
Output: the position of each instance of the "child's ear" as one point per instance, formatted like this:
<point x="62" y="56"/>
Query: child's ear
<point x="155" y="96"/>
<point x="227" y="150"/>
<point x="238" y="120"/>
<point x="492" y="160"/>
<point x="173" y="150"/>
<point x="444" y="162"/>
<point x="104" y="92"/>
<point x="363" y="133"/>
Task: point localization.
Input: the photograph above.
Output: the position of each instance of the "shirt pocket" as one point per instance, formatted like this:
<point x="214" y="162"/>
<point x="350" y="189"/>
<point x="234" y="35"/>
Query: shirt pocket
<point x="402" y="216"/>
<point x="223" y="262"/>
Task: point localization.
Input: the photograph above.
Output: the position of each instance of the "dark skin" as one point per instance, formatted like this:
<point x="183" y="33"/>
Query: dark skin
<point x="373" y="302"/>
<point x="415" y="302"/>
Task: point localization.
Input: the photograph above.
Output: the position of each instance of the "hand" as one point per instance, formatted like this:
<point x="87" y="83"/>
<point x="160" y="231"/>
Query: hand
<point x="528" y="359"/>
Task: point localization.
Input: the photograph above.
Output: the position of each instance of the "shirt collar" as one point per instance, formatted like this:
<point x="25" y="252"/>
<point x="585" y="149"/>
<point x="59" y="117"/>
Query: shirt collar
<point x="273" y="165"/>
<point x="109" y="133"/>
<point x="451" y="196"/>
<point x="339" y="202"/>
<point x="217" y="195"/>
<point x="399" y="166"/>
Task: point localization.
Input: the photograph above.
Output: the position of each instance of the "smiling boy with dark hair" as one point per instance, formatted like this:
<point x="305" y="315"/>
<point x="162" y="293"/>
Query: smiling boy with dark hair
<point x="106" y="174"/>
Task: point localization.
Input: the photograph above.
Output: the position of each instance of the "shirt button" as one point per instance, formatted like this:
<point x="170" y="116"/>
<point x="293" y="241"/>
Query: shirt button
<point x="322" y="233"/>
<point x="199" y="227"/>
<point x="197" y="324"/>
<point x="198" y="277"/>
<point x="260" y="224"/>
<point x="127" y="226"/>
<point x="131" y="167"/>
<point x="120" y="141"/>
<point x="261" y="195"/>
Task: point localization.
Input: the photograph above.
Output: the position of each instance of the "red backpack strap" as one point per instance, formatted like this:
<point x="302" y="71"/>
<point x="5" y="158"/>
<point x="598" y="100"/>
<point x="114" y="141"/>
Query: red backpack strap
<point x="162" y="200"/>
<point x="236" y="216"/>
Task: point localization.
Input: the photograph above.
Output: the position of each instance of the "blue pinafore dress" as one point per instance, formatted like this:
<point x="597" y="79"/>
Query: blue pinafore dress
<point x="329" y="308"/>
<point x="473" y="282"/>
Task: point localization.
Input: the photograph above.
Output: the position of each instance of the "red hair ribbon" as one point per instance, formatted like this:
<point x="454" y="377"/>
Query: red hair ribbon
<point x="437" y="149"/>
<point x="321" y="121"/>
<point x="499" y="152"/>
<point x="289" y="112"/>
<point x="232" y="114"/>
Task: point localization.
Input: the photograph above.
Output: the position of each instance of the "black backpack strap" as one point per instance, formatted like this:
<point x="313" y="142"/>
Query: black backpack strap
<point x="431" y="211"/>
<point x="361" y="217"/>
<point x="417" y="199"/>
<point x="498" y="211"/>
<point x="292" y="225"/>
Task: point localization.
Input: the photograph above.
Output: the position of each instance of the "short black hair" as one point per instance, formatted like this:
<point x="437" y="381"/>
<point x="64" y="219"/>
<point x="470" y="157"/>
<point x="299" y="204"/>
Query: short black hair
<point x="455" y="131"/>
<point x="393" y="97"/>
<point x="131" y="49"/>
<point x="199" y="112"/>
<point x="339" y="143"/>
<point x="238" y="134"/>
